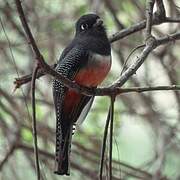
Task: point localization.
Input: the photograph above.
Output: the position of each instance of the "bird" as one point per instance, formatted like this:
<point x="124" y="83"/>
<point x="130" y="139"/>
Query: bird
<point x="85" y="61"/>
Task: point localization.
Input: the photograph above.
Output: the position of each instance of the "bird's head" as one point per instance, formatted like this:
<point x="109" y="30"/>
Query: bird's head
<point x="90" y="24"/>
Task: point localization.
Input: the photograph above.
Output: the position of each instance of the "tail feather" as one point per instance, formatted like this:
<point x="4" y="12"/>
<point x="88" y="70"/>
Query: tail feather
<point x="63" y="148"/>
<point x="64" y="127"/>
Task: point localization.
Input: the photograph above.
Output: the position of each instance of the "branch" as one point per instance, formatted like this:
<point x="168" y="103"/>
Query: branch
<point x="140" y="26"/>
<point x="27" y="78"/>
<point x="30" y="37"/>
<point x="145" y="89"/>
<point x="104" y="145"/>
<point x="149" y="17"/>
<point x="34" y="122"/>
<point x="172" y="20"/>
<point x="111" y="136"/>
<point x="151" y="44"/>
<point x="126" y="60"/>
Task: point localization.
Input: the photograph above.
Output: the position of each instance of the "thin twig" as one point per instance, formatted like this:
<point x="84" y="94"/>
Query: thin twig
<point x="34" y="122"/>
<point x="27" y="78"/>
<point x="148" y="88"/>
<point x="149" y="17"/>
<point x="150" y="45"/>
<point x="111" y="135"/>
<point x="27" y="30"/>
<point x="104" y="145"/>
<point x="125" y="62"/>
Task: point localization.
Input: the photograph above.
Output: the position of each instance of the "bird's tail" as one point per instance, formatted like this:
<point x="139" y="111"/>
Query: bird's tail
<point x="63" y="148"/>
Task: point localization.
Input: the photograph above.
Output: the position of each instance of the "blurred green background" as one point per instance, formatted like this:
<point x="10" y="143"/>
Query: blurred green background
<point x="146" y="142"/>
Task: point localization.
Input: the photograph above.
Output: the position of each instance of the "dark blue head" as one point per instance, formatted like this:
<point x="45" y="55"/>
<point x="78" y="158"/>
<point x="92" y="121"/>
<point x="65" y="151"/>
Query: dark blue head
<point x="90" y="24"/>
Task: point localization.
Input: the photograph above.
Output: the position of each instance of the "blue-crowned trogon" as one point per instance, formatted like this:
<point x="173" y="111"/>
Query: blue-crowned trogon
<point x="87" y="61"/>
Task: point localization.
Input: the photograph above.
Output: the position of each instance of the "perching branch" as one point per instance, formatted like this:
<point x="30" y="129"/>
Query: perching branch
<point x="156" y="88"/>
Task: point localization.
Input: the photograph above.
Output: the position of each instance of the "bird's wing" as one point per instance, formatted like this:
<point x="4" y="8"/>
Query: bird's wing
<point x="73" y="61"/>
<point x="66" y="51"/>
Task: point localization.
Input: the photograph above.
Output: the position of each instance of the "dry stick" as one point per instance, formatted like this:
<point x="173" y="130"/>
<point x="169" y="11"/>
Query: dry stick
<point x="27" y="30"/>
<point x="126" y="60"/>
<point x="34" y="122"/>
<point x="148" y="88"/>
<point x="151" y="44"/>
<point x="149" y="17"/>
<point x="111" y="136"/>
<point x="104" y="145"/>
<point x="27" y="78"/>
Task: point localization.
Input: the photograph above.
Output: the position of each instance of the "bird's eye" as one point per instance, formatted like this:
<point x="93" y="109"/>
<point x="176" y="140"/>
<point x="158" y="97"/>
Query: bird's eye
<point x="84" y="26"/>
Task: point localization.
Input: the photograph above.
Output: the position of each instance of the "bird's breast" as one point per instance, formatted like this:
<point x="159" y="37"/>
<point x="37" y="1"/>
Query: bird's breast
<point x="91" y="75"/>
<point x="95" y="71"/>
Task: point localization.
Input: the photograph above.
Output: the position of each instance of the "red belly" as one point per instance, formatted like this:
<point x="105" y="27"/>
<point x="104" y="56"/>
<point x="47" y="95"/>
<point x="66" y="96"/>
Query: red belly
<point x="90" y="77"/>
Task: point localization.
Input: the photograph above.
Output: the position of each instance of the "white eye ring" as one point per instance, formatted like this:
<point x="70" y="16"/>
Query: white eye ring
<point x="84" y="26"/>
